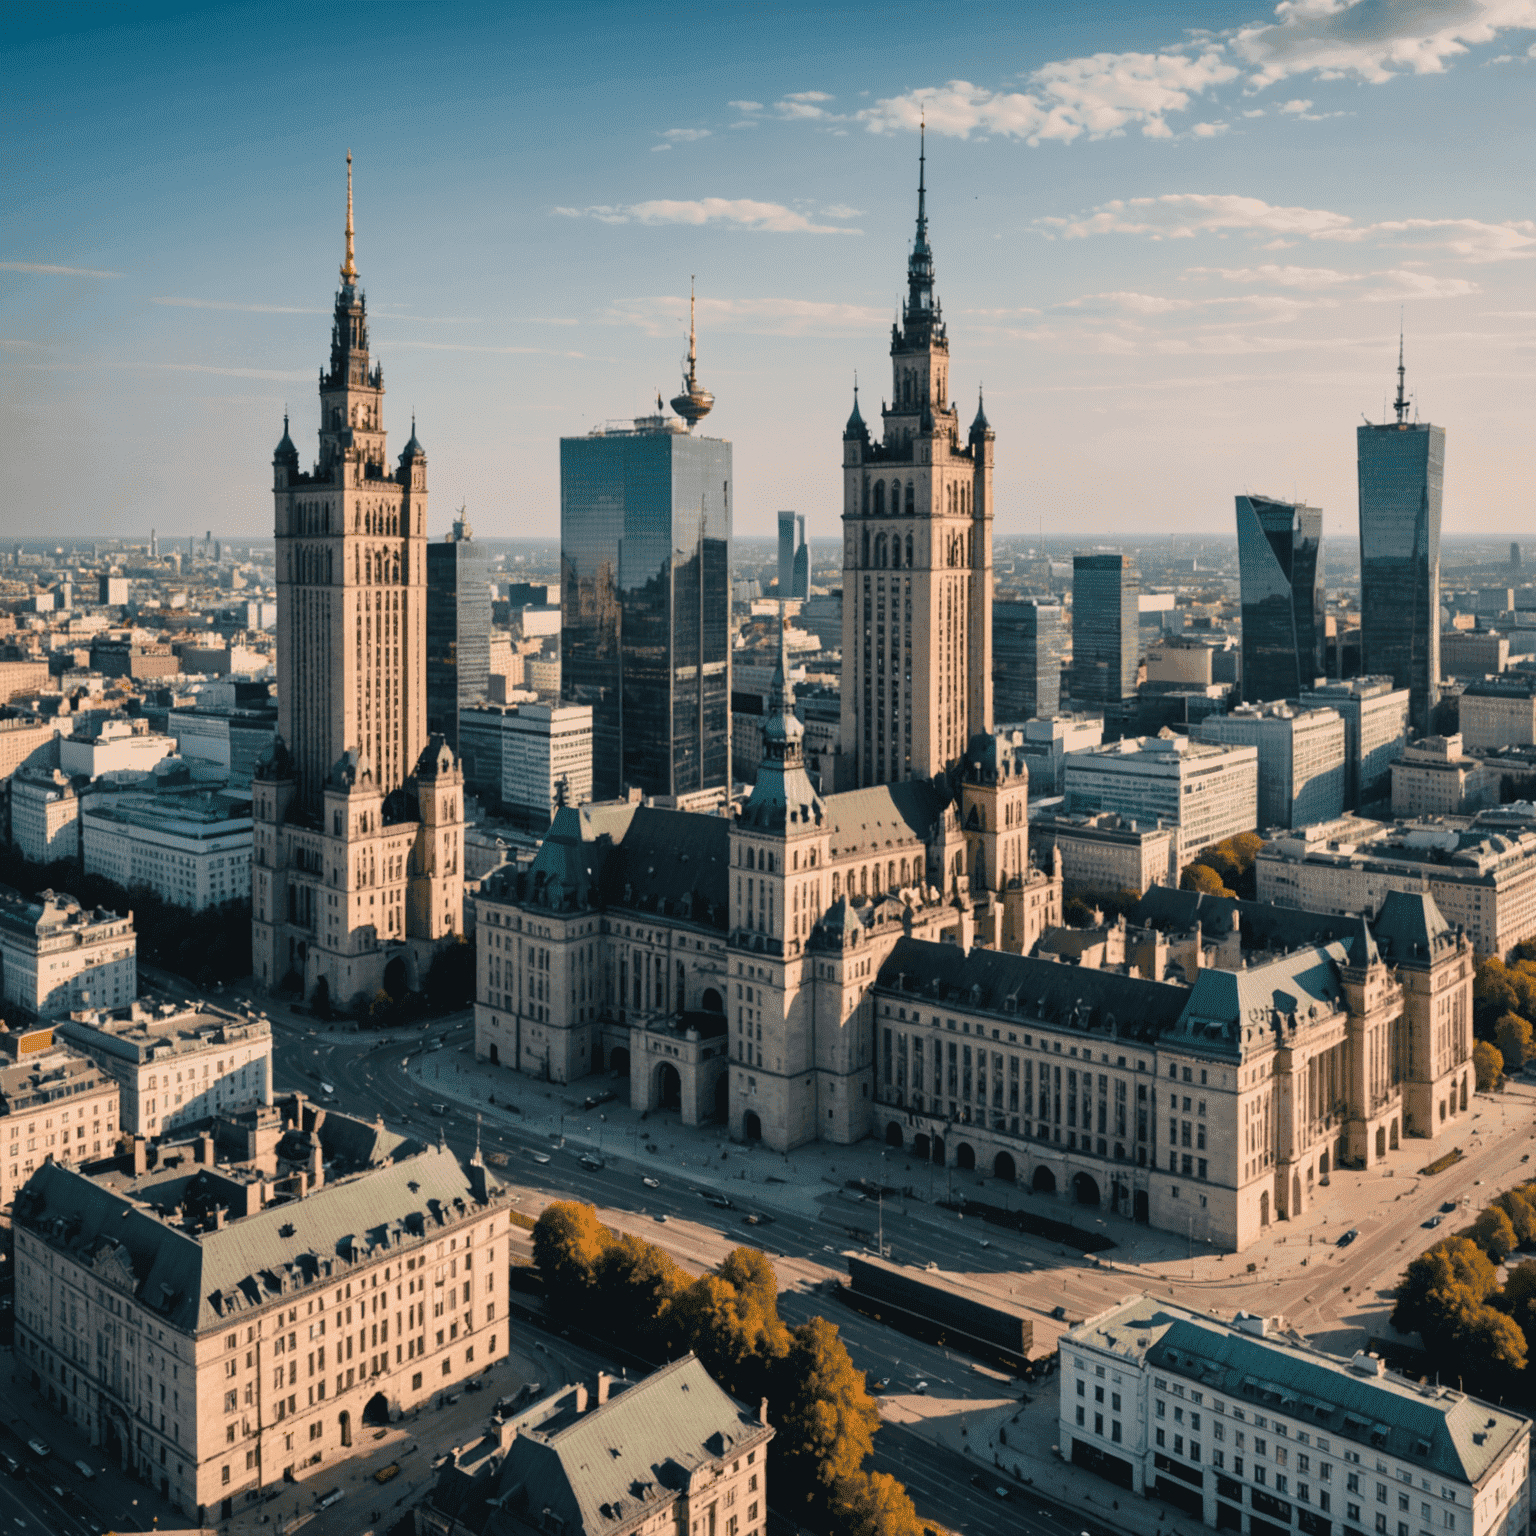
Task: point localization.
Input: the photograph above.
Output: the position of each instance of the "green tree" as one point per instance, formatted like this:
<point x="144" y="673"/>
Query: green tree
<point x="1491" y="1345"/>
<point x="1522" y="1215"/>
<point x="1512" y="1035"/>
<point x="1202" y="878"/>
<point x="1487" y="1066"/>
<point x="873" y="1504"/>
<point x="1494" y="1234"/>
<point x="568" y="1245"/>
<point x="634" y="1284"/>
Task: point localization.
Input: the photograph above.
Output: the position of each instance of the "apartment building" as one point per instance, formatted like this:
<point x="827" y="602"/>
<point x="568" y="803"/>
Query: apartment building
<point x="175" y="1065"/>
<point x="191" y="850"/>
<point x="1248" y="1428"/>
<point x="54" y="1103"/>
<point x="1435" y="777"/>
<point x="1105" y="851"/>
<point x="1302" y="758"/>
<point x="1375" y="716"/>
<point x="56" y="957"/>
<point x="528" y="758"/>
<point x="219" y="1327"/>
<point x="1498" y="712"/>
<point x="45" y="815"/>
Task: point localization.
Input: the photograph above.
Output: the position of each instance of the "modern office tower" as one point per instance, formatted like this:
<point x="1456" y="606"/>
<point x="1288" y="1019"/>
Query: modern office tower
<point x="528" y="760"/>
<point x="800" y="580"/>
<point x="1281" y="574"/>
<point x="1375" y="716"/>
<point x="357" y="816"/>
<point x="917" y="557"/>
<point x="786" y="555"/>
<point x="458" y="629"/>
<point x="1402" y="473"/>
<point x="1302" y="759"/>
<point x="1026" y="659"/>
<point x="645" y="598"/>
<point x="1106" y="628"/>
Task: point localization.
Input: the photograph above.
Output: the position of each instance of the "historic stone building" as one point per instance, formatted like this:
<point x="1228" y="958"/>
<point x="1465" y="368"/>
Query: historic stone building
<point x="358" y="817"/>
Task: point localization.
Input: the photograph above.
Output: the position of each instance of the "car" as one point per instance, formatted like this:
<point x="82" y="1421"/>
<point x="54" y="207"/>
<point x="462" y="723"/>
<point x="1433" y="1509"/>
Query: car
<point x="1349" y="1237"/>
<point x="439" y="1109"/>
<point x="1526" y="1158"/>
<point x="751" y="1219"/>
<point x="1001" y="1492"/>
<point x="10" y="1464"/>
<point x="882" y="1384"/>
<point x="591" y="1160"/>
<point x="85" y="1469"/>
<point x="539" y="1157"/>
<point x="593" y="1100"/>
<point x="326" y="1088"/>
<point x="985" y="1243"/>
<point x="39" y="1447"/>
<point x="1435" y="1220"/>
<point x="660" y="1216"/>
<point x="920" y="1388"/>
<point x="1448" y="1206"/>
<point x="720" y="1202"/>
<point x="474" y="1384"/>
<point x="651" y="1183"/>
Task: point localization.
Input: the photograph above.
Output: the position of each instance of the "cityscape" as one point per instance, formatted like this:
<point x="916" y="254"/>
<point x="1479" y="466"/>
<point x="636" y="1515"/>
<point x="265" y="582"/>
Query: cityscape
<point x="858" y="919"/>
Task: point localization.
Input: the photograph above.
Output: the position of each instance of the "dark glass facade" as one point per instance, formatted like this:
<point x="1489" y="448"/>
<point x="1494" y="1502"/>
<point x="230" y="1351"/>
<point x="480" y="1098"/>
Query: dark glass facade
<point x="1106" y="628"/>
<point x="1402" y="475"/>
<point x="458" y="631"/>
<point x="645" y="545"/>
<point x="1279" y="558"/>
<point x="1027" y="646"/>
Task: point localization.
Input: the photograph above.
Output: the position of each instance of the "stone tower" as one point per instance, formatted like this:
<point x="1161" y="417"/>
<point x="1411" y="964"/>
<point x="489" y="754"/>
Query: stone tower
<point x="917" y="557"/>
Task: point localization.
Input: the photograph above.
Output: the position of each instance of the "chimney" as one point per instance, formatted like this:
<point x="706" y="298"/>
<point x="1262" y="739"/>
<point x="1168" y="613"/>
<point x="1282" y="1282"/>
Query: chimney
<point x="762" y="1410"/>
<point x="218" y="1218"/>
<point x="204" y="1149"/>
<point x="316" y="1165"/>
<point x="580" y="1390"/>
<point x="604" y="1381"/>
<point x="140" y="1155"/>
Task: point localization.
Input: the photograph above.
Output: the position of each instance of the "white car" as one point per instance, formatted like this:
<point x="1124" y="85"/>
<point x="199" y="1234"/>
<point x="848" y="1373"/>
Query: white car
<point x="651" y="1183"/>
<point x="539" y="1157"/>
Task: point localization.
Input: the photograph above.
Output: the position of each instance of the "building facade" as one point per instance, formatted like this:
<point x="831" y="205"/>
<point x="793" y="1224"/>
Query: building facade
<point x="529" y="759"/>
<point x="1104" y="851"/>
<point x="1498" y="712"/>
<point x="917" y="558"/>
<point x="45" y="815"/>
<point x="1435" y="778"/>
<point x="193" y="851"/>
<point x="1106" y="629"/>
<point x="56" y="957"/>
<point x="1375" y="716"/>
<point x="1027" y="646"/>
<point x="458" y="629"/>
<point x="1303" y="759"/>
<point x="794" y="573"/>
<point x="358" y="816"/>
<point x="1280" y="570"/>
<point x="1248" y="1428"/>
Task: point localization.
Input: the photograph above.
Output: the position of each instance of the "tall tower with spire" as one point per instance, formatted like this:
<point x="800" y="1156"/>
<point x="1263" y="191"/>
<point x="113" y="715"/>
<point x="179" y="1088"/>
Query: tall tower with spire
<point x="343" y="880"/>
<point x="917" y="555"/>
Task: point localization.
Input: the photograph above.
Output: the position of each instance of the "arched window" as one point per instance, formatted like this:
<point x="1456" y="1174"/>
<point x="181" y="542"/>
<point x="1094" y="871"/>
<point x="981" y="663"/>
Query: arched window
<point x="890" y="876"/>
<point x="909" y="551"/>
<point x="906" y="873"/>
<point x="879" y="498"/>
<point x="837" y="887"/>
<point x="880" y="551"/>
<point x="864" y="880"/>
<point x="895" y="496"/>
<point x="911" y="499"/>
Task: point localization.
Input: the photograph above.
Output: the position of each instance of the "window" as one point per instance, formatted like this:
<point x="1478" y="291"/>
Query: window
<point x="1081" y="1416"/>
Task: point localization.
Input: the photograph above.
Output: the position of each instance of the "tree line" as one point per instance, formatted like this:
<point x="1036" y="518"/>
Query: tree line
<point x="634" y="1294"/>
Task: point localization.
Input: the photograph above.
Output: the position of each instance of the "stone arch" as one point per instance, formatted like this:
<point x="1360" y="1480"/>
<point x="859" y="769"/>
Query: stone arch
<point x="344" y="1423"/>
<point x="1264" y="1208"/>
<point x="376" y="1409"/>
<point x="752" y="1126"/>
<point x="921" y="1147"/>
<point x="711" y="1001"/>
<point x="879" y="498"/>
<point x="1085" y="1189"/>
<point x="494" y="1054"/>
<point x="1044" y="1181"/>
<point x="618" y="1060"/>
<point x="667" y="1084"/>
<point x="965" y="1156"/>
<point x="1003" y="1167"/>
<point x="894" y="1136"/>
<point x="1322" y="1167"/>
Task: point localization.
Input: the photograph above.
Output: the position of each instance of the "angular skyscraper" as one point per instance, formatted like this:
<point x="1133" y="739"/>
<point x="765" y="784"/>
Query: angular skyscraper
<point x="800" y="580"/>
<point x="645" y="547"/>
<point x="1106" y="628"/>
<point x="1026" y="660"/>
<point x="1280" y="568"/>
<point x="458" y="629"/>
<point x="917" y="557"/>
<point x="786" y="554"/>
<point x="357" y="816"/>
<point x="1402" y="474"/>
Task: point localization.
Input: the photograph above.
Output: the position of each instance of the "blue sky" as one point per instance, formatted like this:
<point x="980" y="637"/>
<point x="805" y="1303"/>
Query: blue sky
<point x="1171" y="240"/>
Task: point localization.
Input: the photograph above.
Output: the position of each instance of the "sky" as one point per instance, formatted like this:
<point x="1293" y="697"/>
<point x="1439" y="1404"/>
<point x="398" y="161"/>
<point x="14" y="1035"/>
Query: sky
<point x="1173" y="243"/>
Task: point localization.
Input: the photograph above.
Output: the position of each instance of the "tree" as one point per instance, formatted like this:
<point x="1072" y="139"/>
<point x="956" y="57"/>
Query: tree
<point x="874" y="1504"/>
<point x="634" y="1284"/>
<point x="1453" y="1274"/>
<point x="1487" y="1066"/>
<point x="1491" y="1344"/>
<point x="1522" y="1215"/>
<point x="1202" y="878"/>
<point x="1513" y="1037"/>
<point x="1494" y="1234"/>
<point x="568" y="1245"/>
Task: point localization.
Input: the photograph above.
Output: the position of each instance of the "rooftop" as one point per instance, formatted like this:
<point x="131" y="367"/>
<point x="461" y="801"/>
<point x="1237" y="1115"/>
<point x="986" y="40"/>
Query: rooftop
<point x="143" y="1031"/>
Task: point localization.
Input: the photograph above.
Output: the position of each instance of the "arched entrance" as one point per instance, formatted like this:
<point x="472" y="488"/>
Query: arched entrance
<point x="1381" y="1141"/>
<point x="376" y="1409"/>
<point x="495" y="1055"/>
<point x="1392" y="1136"/>
<point x="1264" y="1209"/>
<point x="394" y="978"/>
<point x="1085" y="1189"/>
<point x="1322" y="1167"/>
<point x="893" y="1135"/>
<point x="921" y="1147"/>
<point x="1140" y="1207"/>
<point x="1044" y="1181"/>
<point x="618" y="1060"/>
<point x="751" y="1126"/>
<point x="668" y="1085"/>
<point x="965" y="1156"/>
<point x="345" y="1423"/>
<point x="1003" y="1168"/>
<point x="711" y="1001"/>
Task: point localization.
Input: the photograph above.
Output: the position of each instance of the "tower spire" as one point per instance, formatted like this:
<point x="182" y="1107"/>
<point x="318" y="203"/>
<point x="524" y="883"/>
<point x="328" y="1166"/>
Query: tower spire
<point x="922" y="179"/>
<point x="349" y="266"/>
<point x="693" y="404"/>
<point x="919" y="306"/>
<point x="1400" y="405"/>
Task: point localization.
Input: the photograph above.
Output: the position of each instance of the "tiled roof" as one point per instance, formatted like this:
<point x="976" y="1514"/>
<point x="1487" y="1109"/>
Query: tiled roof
<point x="1223" y="1007"/>
<point x="867" y="821"/>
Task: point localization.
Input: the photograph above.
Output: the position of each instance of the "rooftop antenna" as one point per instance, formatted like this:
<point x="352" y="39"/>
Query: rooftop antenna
<point x="1400" y="405"/>
<point x="349" y="266"/>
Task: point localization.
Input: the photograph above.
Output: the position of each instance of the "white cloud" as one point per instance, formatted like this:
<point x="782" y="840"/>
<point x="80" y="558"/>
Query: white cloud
<point x="1254" y="112"/>
<point x="1397" y="283"/>
<point x="808" y="96"/>
<point x="805" y="105"/>
<point x="663" y="315"/>
<point x="742" y="212"/>
<point x="1370" y="39"/>
<point x="1277" y="276"/>
<point x="1209" y="130"/>
<point x="1298" y="106"/>
<point x="746" y="106"/>
<point x="254" y="309"/>
<point x="47" y="269"/>
<point x="685" y="135"/>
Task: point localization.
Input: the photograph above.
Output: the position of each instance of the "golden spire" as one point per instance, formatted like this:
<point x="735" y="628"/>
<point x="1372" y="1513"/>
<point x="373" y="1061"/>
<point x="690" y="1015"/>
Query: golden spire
<point x="349" y="266"/>
<point x="693" y="404"/>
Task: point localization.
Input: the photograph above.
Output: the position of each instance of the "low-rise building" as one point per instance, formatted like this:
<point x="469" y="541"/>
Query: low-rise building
<point x="118" y="748"/>
<point x="19" y="678"/>
<point x="1105" y="851"/>
<point x="1046" y="744"/>
<point x="528" y="759"/>
<point x="1375" y="716"/>
<point x="27" y="742"/>
<point x="1498" y="712"/>
<point x="1302" y="758"/>
<point x="1473" y="652"/>
<point x="1435" y="777"/>
<point x="175" y="1065"/>
<point x="248" y="1319"/>
<point x="1209" y="792"/>
<point x="191" y="850"/>
<point x="55" y="1104"/>
<point x="1248" y="1428"/>
<point x="56" y="957"/>
<point x="45" y="815"/>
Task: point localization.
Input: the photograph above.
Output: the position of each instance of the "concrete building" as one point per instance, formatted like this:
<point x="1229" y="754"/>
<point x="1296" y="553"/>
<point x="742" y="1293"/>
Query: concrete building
<point x="1498" y="712"/>
<point x="191" y="850"/>
<point x="27" y="743"/>
<point x="1047" y="744"/>
<point x="1436" y="778"/>
<point x="358" y="815"/>
<point x="1473" y="652"/>
<point x="230" y="740"/>
<point x="55" y="957"/>
<point x="1104" y="851"/>
<point x="1483" y="879"/>
<point x="1302" y="759"/>
<point x="1248" y="1428"/>
<point x="55" y="1105"/>
<point x="1181" y="661"/>
<point x="1028" y="640"/>
<point x="1209" y="792"/>
<point x="326" y="1277"/>
<point x="1106" y="629"/>
<point x="45" y="815"/>
<point x="119" y="748"/>
<point x="1375" y="716"/>
<point x="528" y="759"/>
<point x="112" y="590"/>
<point x="20" y="678"/>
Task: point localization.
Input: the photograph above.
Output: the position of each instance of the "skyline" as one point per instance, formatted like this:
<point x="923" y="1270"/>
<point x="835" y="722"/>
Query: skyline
<point x="1170" y="300"/>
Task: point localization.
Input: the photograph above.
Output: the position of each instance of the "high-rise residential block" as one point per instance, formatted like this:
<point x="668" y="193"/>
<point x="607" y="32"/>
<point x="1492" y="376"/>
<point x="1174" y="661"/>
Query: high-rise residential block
<point x="917" y="557"/>
<point x="1280" y="570"/>
<point x="458" y="629"/>
<point x="358" y="816"/>
<point x="1106" y="629"/>
<point x="1303" y="759"/>
<point x="1027" y="645"/>
<point x="56" y="956"/>
<point x="1402" y="474"/>
<point x="1375" y="716"/>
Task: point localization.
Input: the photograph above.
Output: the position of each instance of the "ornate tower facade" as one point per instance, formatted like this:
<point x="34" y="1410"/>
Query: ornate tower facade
<point x="917" y="557"/>
<point x="339" y="846"/>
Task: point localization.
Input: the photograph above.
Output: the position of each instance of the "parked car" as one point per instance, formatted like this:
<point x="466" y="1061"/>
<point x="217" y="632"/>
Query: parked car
<point x="1435" y="1220"/>
<point x="1349" y="1237"/>
<point x="593" y="1100"/>
<point x="39" y="1447"/>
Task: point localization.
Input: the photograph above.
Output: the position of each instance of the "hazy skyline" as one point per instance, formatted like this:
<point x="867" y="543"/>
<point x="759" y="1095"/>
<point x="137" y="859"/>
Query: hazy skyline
<point x="1175" y="257"/>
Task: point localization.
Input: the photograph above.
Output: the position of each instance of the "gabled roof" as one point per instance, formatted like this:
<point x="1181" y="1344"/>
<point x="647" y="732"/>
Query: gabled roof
<point x="866" y="821"/>
<point x="1224" y="1007"/>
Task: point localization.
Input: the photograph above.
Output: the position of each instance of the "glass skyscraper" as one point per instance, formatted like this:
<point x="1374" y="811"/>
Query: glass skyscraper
<point x="645" y="545"/>
<point x="458" y="629"/>
<point x="1106" y="628"/>
<point x="1027" y="646"/>
<point x="1402" y="473"/>
<point x="1279" y="558"/>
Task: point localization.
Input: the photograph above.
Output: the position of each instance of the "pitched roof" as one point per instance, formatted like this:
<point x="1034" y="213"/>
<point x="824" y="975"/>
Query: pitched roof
<point x="866" y="821"/>
<point x="1223" y="1006"/>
